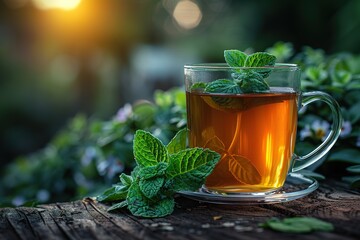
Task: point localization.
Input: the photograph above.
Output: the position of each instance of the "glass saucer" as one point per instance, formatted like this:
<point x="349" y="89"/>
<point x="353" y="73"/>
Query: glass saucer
<point x="296" y="186"/>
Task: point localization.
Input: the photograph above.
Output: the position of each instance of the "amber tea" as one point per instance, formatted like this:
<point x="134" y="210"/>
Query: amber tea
<point x="254" y="133"/>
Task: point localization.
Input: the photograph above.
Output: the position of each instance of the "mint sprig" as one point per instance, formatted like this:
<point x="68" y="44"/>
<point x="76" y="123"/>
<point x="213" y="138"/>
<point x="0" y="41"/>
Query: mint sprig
<point x="250" y="80"/>
<point x="161" y="171"/>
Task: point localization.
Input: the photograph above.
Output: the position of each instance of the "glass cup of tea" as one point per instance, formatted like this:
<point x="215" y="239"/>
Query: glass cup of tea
<point x="255" y="133"/>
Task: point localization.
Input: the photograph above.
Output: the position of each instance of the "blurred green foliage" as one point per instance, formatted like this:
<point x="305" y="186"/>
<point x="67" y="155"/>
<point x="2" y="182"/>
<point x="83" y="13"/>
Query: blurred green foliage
<point x="338" y="75"/>
<point x="88" y="154"/>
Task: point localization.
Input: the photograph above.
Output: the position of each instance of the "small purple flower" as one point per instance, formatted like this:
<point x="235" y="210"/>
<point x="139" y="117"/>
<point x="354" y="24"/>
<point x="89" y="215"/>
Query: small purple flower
<point x="346" y="129"/>
<point x="305" y="132"/>
<point x="358" y="141"/>
<point x="124" y="113"/>
<point x="321" y="129"/>
<point x="318" y="130"/>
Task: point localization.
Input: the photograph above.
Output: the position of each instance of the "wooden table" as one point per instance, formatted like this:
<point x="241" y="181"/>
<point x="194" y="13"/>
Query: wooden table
<point x="86" y="219"/>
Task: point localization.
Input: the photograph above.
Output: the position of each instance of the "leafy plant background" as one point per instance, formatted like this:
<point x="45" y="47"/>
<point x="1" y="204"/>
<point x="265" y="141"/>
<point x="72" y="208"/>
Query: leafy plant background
<point x="88" y="155"/>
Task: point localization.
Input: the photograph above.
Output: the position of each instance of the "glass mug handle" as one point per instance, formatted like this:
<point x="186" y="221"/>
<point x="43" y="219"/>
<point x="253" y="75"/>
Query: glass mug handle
<point x="301" y="162"/>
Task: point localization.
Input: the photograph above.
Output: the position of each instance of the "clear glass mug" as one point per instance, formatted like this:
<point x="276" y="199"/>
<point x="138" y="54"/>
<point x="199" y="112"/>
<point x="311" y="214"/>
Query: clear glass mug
<point x="255" y="133"/>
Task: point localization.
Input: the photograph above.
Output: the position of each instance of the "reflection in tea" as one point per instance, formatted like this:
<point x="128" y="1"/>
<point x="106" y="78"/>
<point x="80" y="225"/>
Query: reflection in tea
<point x="254" y="133"/>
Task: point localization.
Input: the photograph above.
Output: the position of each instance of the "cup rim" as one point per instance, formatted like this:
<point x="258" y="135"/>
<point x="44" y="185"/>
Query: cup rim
<point x="225" y="67"/>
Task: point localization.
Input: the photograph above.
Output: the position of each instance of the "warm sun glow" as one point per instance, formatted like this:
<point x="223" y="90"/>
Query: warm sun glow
<point x="56" y="4"/>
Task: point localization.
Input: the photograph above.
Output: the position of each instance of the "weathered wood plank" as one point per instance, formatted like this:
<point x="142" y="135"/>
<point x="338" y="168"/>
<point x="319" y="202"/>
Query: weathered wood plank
<point x="126" y="226"/>
<point x="6" y="229"/>
<point x="39" y="225"/>
<point x="87" y="219"/>
<point x="19" y="222"/>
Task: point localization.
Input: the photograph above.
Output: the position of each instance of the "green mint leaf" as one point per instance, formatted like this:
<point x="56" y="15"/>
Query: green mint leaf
<point x="126" y="180"/>
<point x="148" y="150"/>
<point x="115" y="193"/>
<point x="117" y="206"/>
<point x="316" y="224"/>
<point x="152" y="171"/>
<point x="222" y="86"/>
<point x="298" y="225"/>
<point x="189" y="168"/>
<point x="134" y="172"/>
<point x="178" y="142"/>
<point x="260" y="59"/>
<point x="152" y="179"/>
<point x="252" y="82"/>
<point x="289" y="228"/>
<point x="235" y="58"/>
<point x="150" y="187"/>
<point x="198" y="85"/>
<point x="141" y="206"/>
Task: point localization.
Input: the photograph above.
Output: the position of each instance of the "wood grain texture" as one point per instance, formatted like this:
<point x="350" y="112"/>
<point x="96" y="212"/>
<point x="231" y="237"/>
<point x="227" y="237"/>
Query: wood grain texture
<point x="86" y="219"/>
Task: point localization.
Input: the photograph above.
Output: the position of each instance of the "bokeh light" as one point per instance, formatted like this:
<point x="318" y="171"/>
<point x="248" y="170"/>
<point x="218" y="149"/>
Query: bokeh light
<point x="56" y="4"/>
<point x="187" y="14"/>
